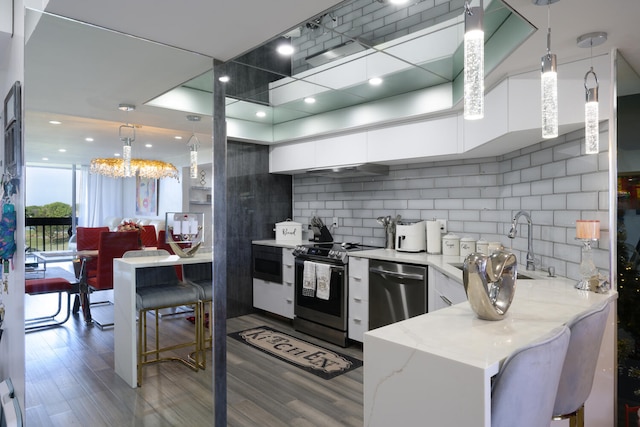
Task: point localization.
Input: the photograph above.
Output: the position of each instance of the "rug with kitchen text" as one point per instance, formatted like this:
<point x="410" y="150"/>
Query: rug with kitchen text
<point x="312" y="358"/>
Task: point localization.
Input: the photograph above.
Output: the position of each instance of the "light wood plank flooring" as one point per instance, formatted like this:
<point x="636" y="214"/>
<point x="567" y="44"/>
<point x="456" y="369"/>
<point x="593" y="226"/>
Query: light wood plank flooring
<point x="70" y="381"/>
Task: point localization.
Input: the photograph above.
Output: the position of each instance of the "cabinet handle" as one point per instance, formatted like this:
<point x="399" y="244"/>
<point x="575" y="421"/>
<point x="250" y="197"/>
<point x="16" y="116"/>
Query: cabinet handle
<point x="288" y="283"/>
<point x="356" y="278"/>
<point x="410" y="276"/>
<point x="356" y="320"/>
<point x="288" y="265"/>
<point x="356" y="299"/>
<point x="289" y="300"/>
<point x="446" y="300"/>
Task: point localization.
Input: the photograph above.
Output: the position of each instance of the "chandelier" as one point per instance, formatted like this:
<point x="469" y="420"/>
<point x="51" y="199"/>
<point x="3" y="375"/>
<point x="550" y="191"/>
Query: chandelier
<point x="114" y="168"/>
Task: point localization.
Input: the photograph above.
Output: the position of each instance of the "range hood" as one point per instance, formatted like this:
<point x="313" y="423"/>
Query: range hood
<point x="350" y="171"/>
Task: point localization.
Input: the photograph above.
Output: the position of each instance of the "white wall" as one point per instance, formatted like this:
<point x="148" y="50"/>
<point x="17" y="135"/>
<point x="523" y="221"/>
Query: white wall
<point x="12" y="350"/>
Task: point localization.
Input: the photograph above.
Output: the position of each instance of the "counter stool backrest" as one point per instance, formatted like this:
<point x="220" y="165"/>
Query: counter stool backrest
<point x="576" y="380"/>
<point x="153" y="276"/>
<point x="524" y="390"/>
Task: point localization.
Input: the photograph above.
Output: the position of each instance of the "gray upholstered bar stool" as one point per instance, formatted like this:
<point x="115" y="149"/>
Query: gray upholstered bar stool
<point x="158" y="288"/>
<point x="524" y="391"/>
<point x="201" y="275"/>
<point x="576" y="380"/>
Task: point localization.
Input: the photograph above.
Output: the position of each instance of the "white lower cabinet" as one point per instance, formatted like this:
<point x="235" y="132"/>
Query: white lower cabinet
<point x="277" y="298"/>
<point x="443" y="291"/>
<point x="358" y="298"/>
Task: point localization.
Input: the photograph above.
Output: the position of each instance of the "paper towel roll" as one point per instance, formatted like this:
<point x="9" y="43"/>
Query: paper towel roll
<point x="434" y="242"/>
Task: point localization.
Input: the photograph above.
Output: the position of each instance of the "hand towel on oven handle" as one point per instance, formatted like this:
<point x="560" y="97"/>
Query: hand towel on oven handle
<point x="309" y="279"/>
<point x="323" y="280"/>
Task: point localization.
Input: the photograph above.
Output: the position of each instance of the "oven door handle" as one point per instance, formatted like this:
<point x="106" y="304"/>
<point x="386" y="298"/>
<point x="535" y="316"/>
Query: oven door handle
<point x="409" y="276"/>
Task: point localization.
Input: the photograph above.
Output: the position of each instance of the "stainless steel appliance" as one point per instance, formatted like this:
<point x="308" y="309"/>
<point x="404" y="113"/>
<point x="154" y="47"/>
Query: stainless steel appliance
<point x="266" y="263"/>
<point x="396" y="292"/>
<point x="325" y="319"/>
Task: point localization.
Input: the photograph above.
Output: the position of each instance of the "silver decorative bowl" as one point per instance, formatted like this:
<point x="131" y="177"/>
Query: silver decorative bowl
<point x="490" y="282"/>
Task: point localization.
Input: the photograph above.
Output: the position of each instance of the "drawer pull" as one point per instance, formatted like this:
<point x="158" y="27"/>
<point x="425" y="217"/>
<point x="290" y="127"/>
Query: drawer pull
<point x="356" y="299"/>
<point x="288" y="283"/>
<point x="288" y="265"/>
<point x="446" y="300"/>
<point x="356" y="320"/>
<point x="356" y="278"/>
<point x="289" y="300"/>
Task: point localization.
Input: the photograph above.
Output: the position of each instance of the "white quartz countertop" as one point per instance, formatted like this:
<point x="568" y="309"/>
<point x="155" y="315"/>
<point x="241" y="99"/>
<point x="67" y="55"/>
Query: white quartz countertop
<point x="456" y="333"/>
<point x="278" y="244"/>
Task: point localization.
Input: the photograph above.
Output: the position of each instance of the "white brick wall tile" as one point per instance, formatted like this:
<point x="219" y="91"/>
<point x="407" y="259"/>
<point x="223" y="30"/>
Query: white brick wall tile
<point x="521" y="162"/>
<point x="531" y="203"/>
<point x="359" y="204"/>
<point x="582" y="165"/>
<point x="420" y="204"/>
<point x="583" y="201"/>
<point x="512" y="203"/>
<point x="448" y="182"/>
<point x="421" y="183"/>
<point x="542" y="218"/>
<point x="569" y="184"/>
<point x="395" y="204"/>
<point x="554" y="202"/>
<point x="512" y="177"/>
<point x="472" y="169"/>
<point x="479" y="204"/>
<point x="521" y="189"/>
<point x="449" y="204"/>
<point x="554" y="170"/>
<point x="595" y="181"/>
<point x="436" y="193"/>
<point x="334" y="204"/>
<point x="464" y="192"/>
<point x="566" y="218"/>
<point x="480" y="180"/>
<point x="542" y="157"/>
<point x="464" y="215"/>
<point x="490" y="167"/>
<point x="542" y="187"/>
<point x="531" y="174"/>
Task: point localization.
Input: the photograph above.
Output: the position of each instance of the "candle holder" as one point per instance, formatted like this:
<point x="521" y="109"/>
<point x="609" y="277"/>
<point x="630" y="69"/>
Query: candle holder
<point x="185" y="232"/>
<point x="588" y="269"/>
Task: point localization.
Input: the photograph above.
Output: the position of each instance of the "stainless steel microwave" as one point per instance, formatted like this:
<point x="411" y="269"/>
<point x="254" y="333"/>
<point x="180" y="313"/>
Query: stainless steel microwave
<point x="266" y="263"/>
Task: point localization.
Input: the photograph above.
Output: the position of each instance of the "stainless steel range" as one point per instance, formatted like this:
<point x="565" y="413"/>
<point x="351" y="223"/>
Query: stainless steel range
<point x="320" y="312"/>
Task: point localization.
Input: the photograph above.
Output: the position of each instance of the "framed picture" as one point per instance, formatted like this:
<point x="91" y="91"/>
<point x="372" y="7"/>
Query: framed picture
<point x="12" y="130"/>
<point x="146" y="196"/>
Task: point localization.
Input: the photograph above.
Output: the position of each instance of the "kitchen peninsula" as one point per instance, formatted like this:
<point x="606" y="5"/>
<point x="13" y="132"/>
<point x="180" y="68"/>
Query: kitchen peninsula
<point x="436" y="369"/>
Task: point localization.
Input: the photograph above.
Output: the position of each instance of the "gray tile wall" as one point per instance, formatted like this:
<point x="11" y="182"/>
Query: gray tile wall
<point x="552" y="180"/>
<point x="372" y="22"/>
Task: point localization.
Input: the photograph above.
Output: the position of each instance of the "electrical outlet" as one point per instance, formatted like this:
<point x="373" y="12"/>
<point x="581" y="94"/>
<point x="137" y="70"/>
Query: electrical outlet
<point x="335" y="222"/>
<point x="443" y="225"/>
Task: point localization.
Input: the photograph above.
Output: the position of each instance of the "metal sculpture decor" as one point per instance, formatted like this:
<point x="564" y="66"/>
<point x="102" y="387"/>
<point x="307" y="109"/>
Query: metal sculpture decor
<point x="490" y="283"/>
<point x="184" y="232"/>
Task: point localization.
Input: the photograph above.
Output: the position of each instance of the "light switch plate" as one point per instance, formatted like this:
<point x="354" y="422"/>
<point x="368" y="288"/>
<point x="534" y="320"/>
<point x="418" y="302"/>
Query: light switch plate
<point x="443" y="225"/>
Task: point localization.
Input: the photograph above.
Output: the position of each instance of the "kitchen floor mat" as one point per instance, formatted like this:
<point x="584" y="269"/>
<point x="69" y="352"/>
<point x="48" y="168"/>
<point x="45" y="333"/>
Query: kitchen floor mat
<point x="312" y="358"/>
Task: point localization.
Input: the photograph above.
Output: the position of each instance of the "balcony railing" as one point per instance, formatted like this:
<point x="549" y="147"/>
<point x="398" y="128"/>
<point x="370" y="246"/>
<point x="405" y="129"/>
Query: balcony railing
<point x="47" y="234"/>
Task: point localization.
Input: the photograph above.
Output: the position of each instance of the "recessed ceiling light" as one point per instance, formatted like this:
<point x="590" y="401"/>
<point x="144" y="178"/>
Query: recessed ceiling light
<point x="126" y="107"/>
<point x="285" y="49"/>
<point x="89" y="139"/>
<point x="398" y="1"/>
<point x="62" y="150"/>
<point x="45" y="158"/>
<point x="224" y="79"/>
<point x="310" y="100"/>
<point x="116" y="154"/>
<point x="148" y="145"/>
<point x="177" y="137"/>
<point x="261" y="114"/>
<point x="375" y="81"/>
<point x="55" y="122"/>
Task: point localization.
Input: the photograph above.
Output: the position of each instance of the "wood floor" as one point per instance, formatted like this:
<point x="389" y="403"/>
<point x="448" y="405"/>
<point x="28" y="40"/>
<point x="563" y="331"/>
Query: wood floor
<point x="70" y="381"/>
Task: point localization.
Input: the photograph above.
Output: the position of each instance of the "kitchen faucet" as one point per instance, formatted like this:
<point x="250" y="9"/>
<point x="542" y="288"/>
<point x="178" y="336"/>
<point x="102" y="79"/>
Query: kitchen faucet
<point x="513" y="232"/>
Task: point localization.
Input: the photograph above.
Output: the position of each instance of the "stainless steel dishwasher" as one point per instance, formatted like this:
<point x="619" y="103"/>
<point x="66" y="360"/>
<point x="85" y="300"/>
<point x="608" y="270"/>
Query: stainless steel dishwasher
<point x="396" y="292"/>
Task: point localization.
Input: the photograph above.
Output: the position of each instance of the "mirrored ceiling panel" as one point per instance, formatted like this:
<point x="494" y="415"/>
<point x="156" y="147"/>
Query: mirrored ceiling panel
<point x="410" y="46"/>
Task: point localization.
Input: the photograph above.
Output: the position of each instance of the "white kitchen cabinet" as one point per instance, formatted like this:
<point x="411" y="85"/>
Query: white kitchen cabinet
<point x="443" y="291"/>
<point x="358" y="298"/>
<point x="292" y="157"/>
<point x="288" y="280"/>
<point x="275" y="297"/>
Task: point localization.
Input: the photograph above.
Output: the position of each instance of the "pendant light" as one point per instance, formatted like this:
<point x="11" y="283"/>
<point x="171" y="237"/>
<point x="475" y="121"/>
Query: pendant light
<point x="549" y="81"/>
<point x="591" y="114"/>
<point x="193" y="145"/>
<point x="127" y="134"/>
<point x="473" y="61"/>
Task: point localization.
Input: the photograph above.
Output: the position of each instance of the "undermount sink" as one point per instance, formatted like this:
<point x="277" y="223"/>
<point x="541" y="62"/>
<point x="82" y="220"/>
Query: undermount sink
<point x="459" y="265"/>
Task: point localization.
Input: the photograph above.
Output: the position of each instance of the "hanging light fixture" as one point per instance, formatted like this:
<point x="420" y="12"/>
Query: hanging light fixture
<point x="193" y="145"/>
<point x="127" y="166"/>
<point x="473" y="61"/>
<point x="549" y="85"/>
<point x="591" y="114"/>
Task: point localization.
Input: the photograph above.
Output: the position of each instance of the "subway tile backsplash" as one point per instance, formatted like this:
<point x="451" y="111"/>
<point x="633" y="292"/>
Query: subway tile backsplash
<point x="552" y="180"/>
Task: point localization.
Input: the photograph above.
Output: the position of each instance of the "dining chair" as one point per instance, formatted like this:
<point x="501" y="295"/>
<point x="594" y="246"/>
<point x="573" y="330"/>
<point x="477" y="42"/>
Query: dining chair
<point x="158" y="288"/>
<point x="111" y="245"/>
<point x="576" y="380"/>
<point x="149" y="237"/>
<point x="201" y="275"/>
<point x="524" y="391"/>
<point x="88" y="239"/>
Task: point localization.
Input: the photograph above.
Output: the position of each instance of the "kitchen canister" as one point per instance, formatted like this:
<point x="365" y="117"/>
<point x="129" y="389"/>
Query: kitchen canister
<point x="482" y="246"/>
<point x="434" y="239"/>
<point x="467" y="246"/>
<point x="451" y="245"/>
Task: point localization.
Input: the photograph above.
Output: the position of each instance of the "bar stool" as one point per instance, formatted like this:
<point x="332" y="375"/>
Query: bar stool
<point x="201" y="275"/>
<point x="524" y="391"/>
<point x="158" y="288"/>
<point x="576" y="380"/>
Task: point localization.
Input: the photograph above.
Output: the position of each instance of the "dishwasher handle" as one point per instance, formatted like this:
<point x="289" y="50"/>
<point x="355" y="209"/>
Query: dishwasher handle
<point x="410" y="276"/>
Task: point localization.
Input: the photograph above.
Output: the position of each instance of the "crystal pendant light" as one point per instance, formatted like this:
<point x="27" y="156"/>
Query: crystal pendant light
<point x="591" y="114"/>
<point x="193" y="144"/>
<point x="127" y="139"/>
<point x="549" y="82"/>
<point x="473" y="62"/>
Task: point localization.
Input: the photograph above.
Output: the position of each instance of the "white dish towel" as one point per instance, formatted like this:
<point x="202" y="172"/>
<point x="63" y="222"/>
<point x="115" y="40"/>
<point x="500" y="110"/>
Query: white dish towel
<point x="323" y="279"/>
<point x="309" y="279"/>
